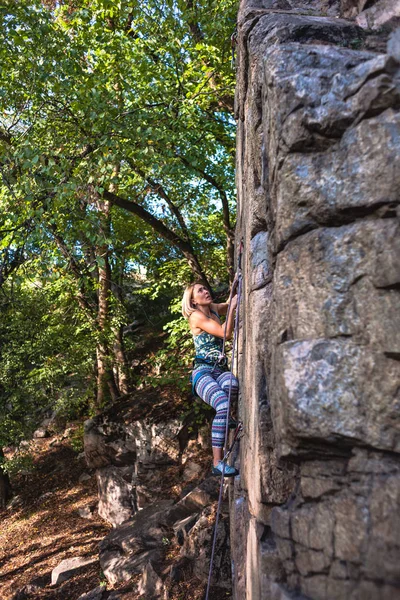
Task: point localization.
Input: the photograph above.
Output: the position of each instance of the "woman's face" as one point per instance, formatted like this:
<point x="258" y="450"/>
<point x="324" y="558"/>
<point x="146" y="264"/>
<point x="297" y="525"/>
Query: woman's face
<point x="201" y="295"/>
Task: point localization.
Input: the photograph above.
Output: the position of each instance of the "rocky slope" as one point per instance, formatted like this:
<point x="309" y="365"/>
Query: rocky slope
<point x="155" y="489"/>
<point x="131" y="517"/>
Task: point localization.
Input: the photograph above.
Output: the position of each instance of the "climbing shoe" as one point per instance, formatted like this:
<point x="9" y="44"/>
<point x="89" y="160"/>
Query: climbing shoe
<point x="229" y="471"/>
<point x="232" y="424"/>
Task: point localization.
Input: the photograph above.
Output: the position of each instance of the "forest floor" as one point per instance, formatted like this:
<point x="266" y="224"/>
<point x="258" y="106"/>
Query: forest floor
<point x="42" y="526"/>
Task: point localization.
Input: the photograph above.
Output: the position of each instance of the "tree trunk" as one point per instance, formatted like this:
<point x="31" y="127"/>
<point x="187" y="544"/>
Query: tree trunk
<point x="107" y="389"/>
<point x="5" y="485"/>
<point x="120" y="361"/>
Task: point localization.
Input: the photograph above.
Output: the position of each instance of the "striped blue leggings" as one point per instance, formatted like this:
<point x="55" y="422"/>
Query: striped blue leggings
<point x="213" y="387"/>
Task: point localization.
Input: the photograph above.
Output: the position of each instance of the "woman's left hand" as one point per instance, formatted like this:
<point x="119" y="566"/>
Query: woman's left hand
<point x="233" y="304"/>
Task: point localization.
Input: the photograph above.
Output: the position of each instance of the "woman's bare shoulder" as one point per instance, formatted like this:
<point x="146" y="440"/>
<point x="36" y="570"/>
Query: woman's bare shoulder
<point x="194" y="320"/>
<point x="214" y="307"/>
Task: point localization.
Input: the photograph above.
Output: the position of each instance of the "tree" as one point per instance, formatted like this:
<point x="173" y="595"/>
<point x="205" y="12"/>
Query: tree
<point x="84" y="109"/>
<point x="116" y="159"/>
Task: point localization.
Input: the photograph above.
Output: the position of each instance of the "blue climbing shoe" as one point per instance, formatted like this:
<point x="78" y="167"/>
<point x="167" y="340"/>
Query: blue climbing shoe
<point x="229" y="471"/>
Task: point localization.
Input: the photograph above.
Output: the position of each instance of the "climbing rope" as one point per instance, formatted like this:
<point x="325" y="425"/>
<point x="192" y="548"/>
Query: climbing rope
<point x="233" y="48"/>
<point x="239" y="429"/>
<point x="238" y="433"/>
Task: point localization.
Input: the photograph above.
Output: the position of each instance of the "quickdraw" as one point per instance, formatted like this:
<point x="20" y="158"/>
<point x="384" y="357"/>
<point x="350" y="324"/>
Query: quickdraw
<point x="238" y="434"/>
<point x="221" y="359"/>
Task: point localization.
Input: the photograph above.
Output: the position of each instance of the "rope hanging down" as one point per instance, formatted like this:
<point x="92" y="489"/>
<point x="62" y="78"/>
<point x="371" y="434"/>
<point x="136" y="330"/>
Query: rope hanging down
<point x="238" y="431"/>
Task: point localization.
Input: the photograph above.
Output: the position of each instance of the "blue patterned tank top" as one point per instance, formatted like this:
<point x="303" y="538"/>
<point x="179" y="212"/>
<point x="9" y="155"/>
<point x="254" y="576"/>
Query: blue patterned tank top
<point x="208" y="347"/>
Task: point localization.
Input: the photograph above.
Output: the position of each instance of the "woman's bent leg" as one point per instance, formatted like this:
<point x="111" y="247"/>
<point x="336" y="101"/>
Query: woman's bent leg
<point x="208" y="389"/>
<point x="224" y="381"/>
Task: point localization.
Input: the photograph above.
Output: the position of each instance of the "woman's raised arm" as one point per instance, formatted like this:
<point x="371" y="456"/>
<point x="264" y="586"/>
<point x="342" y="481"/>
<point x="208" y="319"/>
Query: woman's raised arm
<point x="199" y="320"/>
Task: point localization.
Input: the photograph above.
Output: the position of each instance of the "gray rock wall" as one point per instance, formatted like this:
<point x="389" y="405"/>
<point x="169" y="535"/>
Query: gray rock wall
<point x="315" y="512"/>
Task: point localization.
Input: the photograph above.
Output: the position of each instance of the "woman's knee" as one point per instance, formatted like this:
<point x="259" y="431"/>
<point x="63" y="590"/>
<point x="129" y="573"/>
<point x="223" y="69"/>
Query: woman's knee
<point x="228" y="381"/>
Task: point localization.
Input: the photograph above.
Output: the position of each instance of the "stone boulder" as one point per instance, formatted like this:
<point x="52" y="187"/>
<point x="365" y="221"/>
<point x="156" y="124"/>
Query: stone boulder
<point x="193" y="502"/>
<point x="97" y="593"/>
<point x="151" y="585"/>
<point x="156" y="443"/>
<point x="128" y="457"/>
<point x="87" y="512"/>
<point x="116" y="501"/>
<point x="106" y="442"/>
<point x="41" y="433"/>
<point x="128" y="549"/>
<point x="31" y="590"/>
<point x="382" y="12"/>
<point x="70" y="567"/>
<point x="146" y="443"/>
<point x="137" y="547"/>
<point x="197" y="548"/>
<point x="192" y="470"/>
<point x="182" y="528"/>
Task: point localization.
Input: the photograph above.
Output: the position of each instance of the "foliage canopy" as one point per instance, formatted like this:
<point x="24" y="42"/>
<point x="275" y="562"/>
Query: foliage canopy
<point x="116" y="158"/>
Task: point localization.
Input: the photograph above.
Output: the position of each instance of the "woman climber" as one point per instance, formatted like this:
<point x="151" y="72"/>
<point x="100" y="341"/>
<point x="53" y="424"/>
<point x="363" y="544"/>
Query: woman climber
<point x="211" y="379"/>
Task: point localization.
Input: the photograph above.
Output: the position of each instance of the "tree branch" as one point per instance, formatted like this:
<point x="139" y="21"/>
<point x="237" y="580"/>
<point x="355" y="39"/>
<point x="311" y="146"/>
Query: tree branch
<point x="157" y="188"/>
<point x="230" y="234"/>
<point x="183" y="245"/>
<point x="75" y="269"/>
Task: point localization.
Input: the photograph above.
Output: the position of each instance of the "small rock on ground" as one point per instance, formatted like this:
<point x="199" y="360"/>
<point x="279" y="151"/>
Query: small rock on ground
<point x="69" y="568"/>
<point x="96" y="594"/>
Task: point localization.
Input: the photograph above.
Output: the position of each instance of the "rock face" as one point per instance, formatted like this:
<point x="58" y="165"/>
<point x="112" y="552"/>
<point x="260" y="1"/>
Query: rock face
<point x="314" y="513"/>
<point x="197" y="548"/>
<point x="372" y="14"/>
<point x="131" y="458"/>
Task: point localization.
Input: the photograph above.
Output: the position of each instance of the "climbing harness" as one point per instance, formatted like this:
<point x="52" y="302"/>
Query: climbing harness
<point x="239" y="429"/>
<point x="218" y="358"/>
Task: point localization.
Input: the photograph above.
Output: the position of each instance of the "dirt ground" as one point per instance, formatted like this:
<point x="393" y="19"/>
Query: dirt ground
<point x="45" y="527"/>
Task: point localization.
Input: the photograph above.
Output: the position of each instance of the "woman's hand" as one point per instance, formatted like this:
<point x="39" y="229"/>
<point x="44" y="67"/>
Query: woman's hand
<point x="233" y="302"/>
<point x="235" y="282"/>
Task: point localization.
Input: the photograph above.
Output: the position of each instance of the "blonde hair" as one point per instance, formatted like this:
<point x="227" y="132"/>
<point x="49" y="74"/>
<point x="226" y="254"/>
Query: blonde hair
<point x="187" y="306"/>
